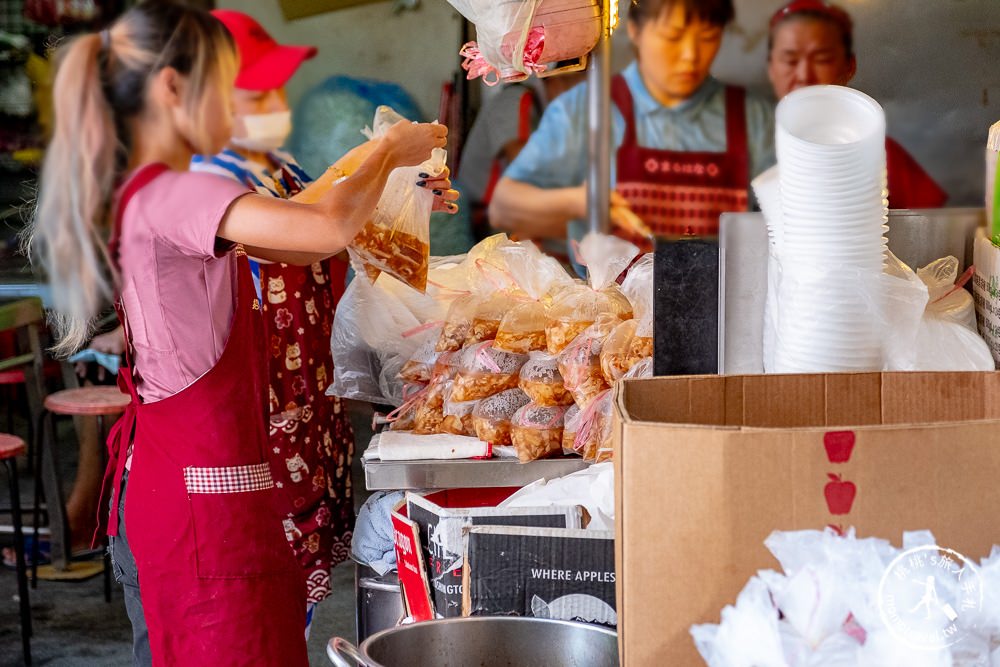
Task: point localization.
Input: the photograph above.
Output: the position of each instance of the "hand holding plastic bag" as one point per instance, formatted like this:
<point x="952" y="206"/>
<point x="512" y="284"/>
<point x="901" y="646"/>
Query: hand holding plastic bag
<point x="397" y="239"/>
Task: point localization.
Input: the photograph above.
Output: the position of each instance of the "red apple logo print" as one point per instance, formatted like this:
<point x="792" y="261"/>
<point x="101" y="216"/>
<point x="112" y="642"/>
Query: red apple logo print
<point x="839" y="494"/>
<point x="839" y="445"/>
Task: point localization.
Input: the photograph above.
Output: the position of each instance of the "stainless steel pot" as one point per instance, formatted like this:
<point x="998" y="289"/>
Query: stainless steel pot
<point x="379" y="603"/>
<point x="484" y="641"/>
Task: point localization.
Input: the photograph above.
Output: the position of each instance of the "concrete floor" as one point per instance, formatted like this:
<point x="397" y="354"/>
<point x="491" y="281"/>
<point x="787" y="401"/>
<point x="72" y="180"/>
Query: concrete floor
<point x="75" y="627"/>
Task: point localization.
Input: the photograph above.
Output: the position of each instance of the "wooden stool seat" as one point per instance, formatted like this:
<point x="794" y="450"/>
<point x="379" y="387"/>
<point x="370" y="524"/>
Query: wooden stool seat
<point x="11" y="446"/>
<point x="88" y="401"/>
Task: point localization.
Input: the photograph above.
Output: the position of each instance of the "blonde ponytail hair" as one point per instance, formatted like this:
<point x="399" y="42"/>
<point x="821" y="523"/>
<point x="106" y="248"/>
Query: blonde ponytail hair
<point x="100" y="84"/>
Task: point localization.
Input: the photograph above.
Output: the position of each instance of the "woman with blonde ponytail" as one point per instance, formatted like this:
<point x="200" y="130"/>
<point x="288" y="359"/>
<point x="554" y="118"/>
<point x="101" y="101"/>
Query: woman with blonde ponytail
<point x="121" y="218"/>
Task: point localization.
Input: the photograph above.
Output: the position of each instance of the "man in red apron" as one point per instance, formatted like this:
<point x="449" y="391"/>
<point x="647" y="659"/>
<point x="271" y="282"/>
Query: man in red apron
<point x="686" y="145"/>
<point x="201" y="515"/>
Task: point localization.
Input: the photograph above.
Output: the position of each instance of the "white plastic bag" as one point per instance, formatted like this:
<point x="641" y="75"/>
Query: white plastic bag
<point x="505" y="47"/>
<point x="948" y="339"/>
<point x="578" y="306"/>
<point x="397" y="238"/>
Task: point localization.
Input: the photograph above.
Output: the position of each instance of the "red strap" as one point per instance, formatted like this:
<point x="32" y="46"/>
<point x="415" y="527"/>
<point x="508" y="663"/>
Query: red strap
<point x="140" y="179"/>
<point x="525" y="107"/>
<point x="121" y="433"/>
<point x="622" y="97"/>
<point x="524" y="115"/>
<point x="736" y="132"/>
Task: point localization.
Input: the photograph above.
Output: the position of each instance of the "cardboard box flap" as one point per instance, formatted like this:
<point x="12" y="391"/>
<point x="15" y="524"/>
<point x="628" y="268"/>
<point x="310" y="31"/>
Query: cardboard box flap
<point x="808" y="401"/>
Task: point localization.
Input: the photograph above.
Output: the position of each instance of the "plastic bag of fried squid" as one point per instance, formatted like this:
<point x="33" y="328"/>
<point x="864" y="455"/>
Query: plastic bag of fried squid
<point x="593" y="430"/>
<point x="458" y="417"/>
<point x="397" y="238"/>
<point x="580" y="363"/>
<point x="638" y="287"/>
<point x="533" y="278"/>
<point x="577" y="307"/>
<point x="420" y="367"/>
<point x="536" y="431"/>
<point x="485" y="371"/>
<point x="492" y="416"/>
<point x="480" y="300"/>
<point x="541" y="380"/>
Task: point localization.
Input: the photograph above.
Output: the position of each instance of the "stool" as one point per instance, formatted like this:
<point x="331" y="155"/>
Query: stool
<point x="10" y="448"/>
<point x="99" y="402"/>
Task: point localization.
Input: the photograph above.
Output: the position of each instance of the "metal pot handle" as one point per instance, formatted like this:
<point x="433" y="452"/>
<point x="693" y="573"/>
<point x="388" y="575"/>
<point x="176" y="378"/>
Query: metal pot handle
<point x="339" y="648"/>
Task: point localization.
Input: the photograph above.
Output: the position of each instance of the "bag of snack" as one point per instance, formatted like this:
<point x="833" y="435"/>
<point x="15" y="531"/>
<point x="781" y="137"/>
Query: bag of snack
<point x="457" y="323"/>
<point x="420" y="366"/>
<point x="542" y="381"/>
<point x="491" y="417"/>
<point x="623" y="349"/>
<point x="401" y="419"/>
<point x="571" y="424"/>
<point x="538" y="278"/>
<point x="458" y="417"/>
<point x="485" y="371"/>
<point x="580" y="363"/>
<point x="397" y="238"/>
<point x="577" y="307"/>
<point x="638" y="287"/>
<point x="430" y="410"/>
<point x="489" y="313"/>
<point x="594" y="431"/>
<point x="536" y="432"/>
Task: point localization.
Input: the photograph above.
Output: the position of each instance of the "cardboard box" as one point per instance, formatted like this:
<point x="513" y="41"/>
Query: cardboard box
<point x="707" y="467"/>
<point x="555" y="573"/>
<point x="441" y="518"/>
<point x="986" y="291"/>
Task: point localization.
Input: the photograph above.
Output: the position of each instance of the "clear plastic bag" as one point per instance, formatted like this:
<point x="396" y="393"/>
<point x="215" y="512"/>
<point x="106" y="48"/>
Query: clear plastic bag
<point x="638" y="287"/>
<point x="536" y="432"/>
<point x="489" y="313"/>
<point x="542" y="381"/>
<point x="486" y="371"/>
<point x="537" y="277"/>
<point x="457" y="323"/>
<point x="580" y="363"/>
<point x="458" y="417"/>
<point x="571" y="425"/>
<point x="402" y="419"/>
<point x="623" y="349"/>
<point x="420" y="367"/>
<point x="397" y="238"/>
<point x="577" y="307"/>
<point x="429" y="414"/>
<point x="491" y="417"/>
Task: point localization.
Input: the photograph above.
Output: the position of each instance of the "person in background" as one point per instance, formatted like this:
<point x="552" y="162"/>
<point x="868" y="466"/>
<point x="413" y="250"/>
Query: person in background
<point x="501" y="129"/>
<point x="685" y="145"/>
<point x="194" y="506"/>
<point x="311" y="441"/>
<point x="811" y="42"/>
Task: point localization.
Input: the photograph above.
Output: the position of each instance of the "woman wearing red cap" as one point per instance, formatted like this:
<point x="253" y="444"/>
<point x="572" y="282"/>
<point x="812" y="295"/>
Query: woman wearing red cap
<point x="311" y="438"/>
<point x="812" y="43"/>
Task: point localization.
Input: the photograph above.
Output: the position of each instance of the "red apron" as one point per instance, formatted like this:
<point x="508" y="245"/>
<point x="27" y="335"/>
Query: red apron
<point x="219" y="584"/>
<point x="678" y="193"/>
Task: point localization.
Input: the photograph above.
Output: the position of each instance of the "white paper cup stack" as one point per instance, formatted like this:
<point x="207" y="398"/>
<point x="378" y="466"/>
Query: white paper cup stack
<point x="831" y="152"/>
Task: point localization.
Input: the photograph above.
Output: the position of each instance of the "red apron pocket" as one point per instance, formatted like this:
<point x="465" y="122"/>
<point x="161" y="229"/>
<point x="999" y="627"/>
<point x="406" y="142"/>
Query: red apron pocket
<point x="237" y="529"/>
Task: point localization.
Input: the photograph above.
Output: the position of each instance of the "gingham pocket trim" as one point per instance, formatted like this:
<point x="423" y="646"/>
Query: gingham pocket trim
<point x="232" y="479"/>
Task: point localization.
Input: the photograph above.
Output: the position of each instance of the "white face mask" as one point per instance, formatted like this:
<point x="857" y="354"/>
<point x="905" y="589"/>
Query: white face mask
<point x="265" y="131"/>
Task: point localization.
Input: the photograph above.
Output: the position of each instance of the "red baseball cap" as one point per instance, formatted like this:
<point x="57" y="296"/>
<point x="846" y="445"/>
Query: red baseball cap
<point x="264" y="64"/>
<point x="833" y="12"/>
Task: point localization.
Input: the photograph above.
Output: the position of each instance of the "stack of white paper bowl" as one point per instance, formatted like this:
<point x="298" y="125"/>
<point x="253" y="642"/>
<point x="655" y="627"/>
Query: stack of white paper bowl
<point x="831" y="151"/>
